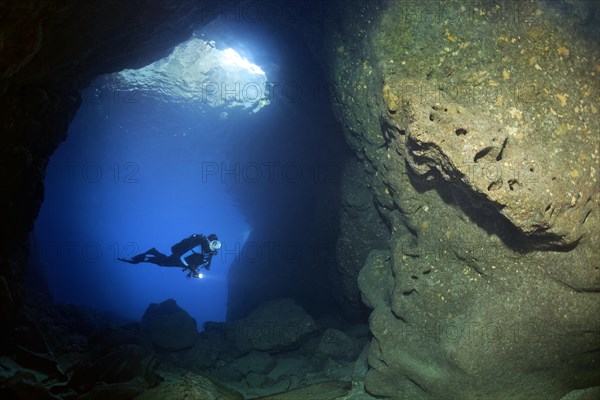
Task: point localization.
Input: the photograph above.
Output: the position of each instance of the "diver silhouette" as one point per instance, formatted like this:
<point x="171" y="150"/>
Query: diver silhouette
<point x="191" y="254"/>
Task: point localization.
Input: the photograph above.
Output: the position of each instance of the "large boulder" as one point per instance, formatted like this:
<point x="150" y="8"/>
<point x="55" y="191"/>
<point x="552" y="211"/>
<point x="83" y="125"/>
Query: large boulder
<point x="338" y="346"/>
<point x="170" y="327"/>
<point x="204" y="353"/>
<point x="118" y="365"/>
<point x="255" y="361"/>
<point x="274" y="326"/>
<point x="478" y="133"/>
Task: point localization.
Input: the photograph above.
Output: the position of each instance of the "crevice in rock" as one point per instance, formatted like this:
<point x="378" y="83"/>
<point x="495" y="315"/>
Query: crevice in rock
<point x="514" y="184"/>
<point x="482" y="153"/>
<point x="416" y="384"/>
<point x="497" y="184"/>
<point x="578" y="289"/>
<point x="485" y="213"/>
<point x="501" y="153"/>
<point x="585" y="217"/>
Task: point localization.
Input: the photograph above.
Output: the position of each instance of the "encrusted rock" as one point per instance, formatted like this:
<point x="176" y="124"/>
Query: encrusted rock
<point x="478" y="150"/>
<point x="487" y="180"/>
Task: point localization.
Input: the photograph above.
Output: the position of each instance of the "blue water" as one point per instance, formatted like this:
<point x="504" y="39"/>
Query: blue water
<point x="132" y="175"/>
<point x="139" y="170"/>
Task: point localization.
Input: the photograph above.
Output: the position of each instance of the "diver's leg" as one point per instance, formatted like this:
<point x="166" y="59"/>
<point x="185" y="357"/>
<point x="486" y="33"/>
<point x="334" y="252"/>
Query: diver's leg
<point x="171" y="261"/>
<point x="134" y="260"/>
<point x="156" y="253"/>
<point x="152" y="256"/>
<point x="155" y="257"/>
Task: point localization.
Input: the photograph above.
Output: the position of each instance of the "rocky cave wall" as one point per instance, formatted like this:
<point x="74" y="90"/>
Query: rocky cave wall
<point x="477" y="128"/>
<point x="49" y="52"/>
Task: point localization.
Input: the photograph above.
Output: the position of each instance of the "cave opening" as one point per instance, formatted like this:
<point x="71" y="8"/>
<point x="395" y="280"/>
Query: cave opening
<point x="232" y="134"/>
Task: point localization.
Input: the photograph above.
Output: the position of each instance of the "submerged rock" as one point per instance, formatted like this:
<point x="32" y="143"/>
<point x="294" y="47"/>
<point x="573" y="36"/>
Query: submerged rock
<point x="338" y="346"/>
<point x="25" y="385"/>
<point x="204" y="353"/>
<point x="584" y="394"/>
<point x="116" y="391"/>
<point x="255" y="361"/>
<point x="478" y="139"/>
<point x="192" y="387"/>
<point x="320" y="391"/>
<point x="170" y="327"/>
<point x="118" y="365"/>
<point x="361" y="229"/>
<point x="361" y="365"/>
<point x="274" y="326"/>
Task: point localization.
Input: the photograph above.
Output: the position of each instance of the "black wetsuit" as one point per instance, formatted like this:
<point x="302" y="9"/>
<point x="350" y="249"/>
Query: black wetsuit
<point x="195" y="250"/>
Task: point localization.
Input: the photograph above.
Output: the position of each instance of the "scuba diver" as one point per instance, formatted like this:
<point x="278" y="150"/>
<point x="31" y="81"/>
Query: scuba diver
<point x="191" y="254"/>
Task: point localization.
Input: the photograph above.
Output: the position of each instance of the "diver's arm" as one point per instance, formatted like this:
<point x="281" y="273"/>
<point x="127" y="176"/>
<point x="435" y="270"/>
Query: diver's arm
<point x="193" y="250"/>
<point x="184" y="255"/>
<point x="207" y="263"/>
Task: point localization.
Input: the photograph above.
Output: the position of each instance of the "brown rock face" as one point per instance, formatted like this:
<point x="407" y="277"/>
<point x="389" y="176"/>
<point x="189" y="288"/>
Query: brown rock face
<point x="488" y="155"/>
<point x="478" y="128"/>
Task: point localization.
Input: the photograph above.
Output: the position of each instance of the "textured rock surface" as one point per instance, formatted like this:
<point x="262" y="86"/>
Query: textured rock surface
<point x="584" y="394"/>
<point x="274" y="326"/>
<point x="478" y="129"/>
<point x="492" y="153"/>
<point x="190" y="386"/>
<point x="255" y="361"/>
<point x="205" y="351"/>
<point x="321" y="391"/>
<point x="116" y="391"/>
<point x="361" y="229"/>
<point x="337" y="345"/>
<point x="169" y="326"/>
<point x="69" y="352"/>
